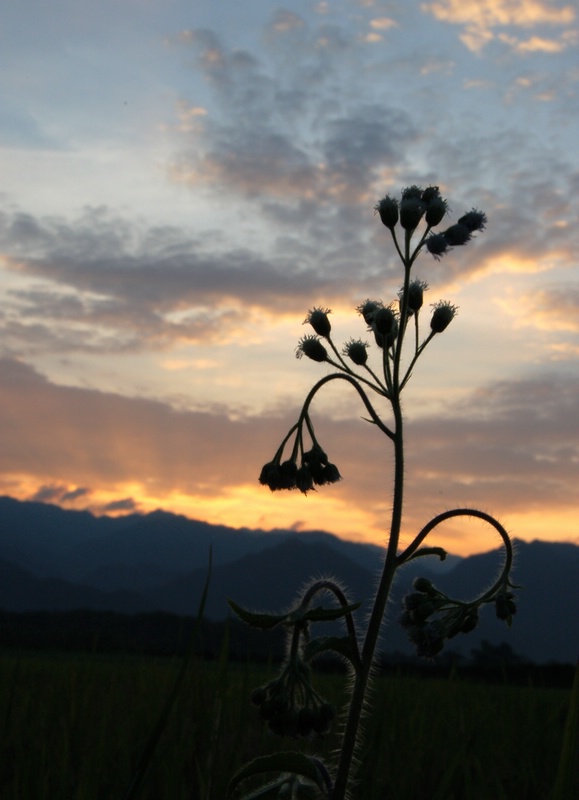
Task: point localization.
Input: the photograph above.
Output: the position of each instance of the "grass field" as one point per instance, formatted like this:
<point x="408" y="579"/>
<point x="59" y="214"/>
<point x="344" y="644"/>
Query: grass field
<point x="73" y="728"/>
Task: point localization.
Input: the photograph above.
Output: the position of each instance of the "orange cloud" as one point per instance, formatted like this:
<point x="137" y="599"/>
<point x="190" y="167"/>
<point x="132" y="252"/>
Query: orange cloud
<point x="383" y="23"/>
<point x="508" y="449"/>
<point x="480" y="18"/>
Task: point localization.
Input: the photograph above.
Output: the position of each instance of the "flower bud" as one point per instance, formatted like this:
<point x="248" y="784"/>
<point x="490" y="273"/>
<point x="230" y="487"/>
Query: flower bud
<point x="412" y="193"/>
<point x="268" y="471"/>
<point x="442" y="316"/>
<point x="435" y="212"/>
<point x="424" y="585"/>
<point x="429" y="639"/>
<point x="430" y="194"/>
<point x="318" y="472"/>
<point x="367" y="309"/>
<point x="470" y="621"/>
<point x="474" y="220"/>
<point x="437" y="245"/>
<point x="331" y="473"/>
<point x="411" y="212"/>
<point x="315" y="456"/>
<point x="505" y="606"/>
<point x="383" y="321"/>
<point x="288" y="473"/>
<point x="311" y="347"/>
<point x="416" y="290"/>
<point x="388" y="210"/>
<point x="318" y="319"/>
<point x="457" y="235"/>
<point x="304" y="479"/>
<point x="357" y="351"/>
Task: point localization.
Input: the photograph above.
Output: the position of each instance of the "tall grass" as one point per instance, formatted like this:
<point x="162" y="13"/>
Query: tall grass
<point x="74" y="728"/>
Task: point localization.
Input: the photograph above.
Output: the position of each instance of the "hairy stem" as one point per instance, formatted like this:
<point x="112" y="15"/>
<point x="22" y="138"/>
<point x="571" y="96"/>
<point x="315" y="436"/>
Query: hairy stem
<point x="354" y="717"/>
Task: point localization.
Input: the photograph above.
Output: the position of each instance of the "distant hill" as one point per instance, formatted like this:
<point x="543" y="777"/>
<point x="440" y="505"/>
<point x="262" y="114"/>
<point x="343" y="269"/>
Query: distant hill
<point x="52" y="559"/>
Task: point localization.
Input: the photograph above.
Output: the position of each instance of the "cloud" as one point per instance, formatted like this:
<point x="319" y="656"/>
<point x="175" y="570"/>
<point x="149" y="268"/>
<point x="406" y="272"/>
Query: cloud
<point x="550" y="310"/>
<point x="512" y="447"/>
<point x="126" y="504"/>
<point x="102" y="284"/>
<point x="481" y="18"/>
<point x="284" y="125"/>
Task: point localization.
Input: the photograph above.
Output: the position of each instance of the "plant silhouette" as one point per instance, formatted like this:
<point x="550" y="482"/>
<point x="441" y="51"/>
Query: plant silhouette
<point x="289" y="704"/>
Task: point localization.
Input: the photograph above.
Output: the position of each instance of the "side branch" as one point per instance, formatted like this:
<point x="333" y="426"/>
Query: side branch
<point x="369" y="407"/>
<point x="330" y="586"/>
<point x="464" y="512"/>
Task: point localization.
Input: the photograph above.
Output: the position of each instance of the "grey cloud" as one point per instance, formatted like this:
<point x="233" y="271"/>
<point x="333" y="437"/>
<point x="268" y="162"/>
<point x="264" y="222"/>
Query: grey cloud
<point x="74" y="494"/>
<point x="58" y="493"/>
<point x="99" y="283"/>
<point x="102" y="284"/>
<point x="127" y="504"/>
<point x="288" y="128"/>
<point x="556" y="306"/>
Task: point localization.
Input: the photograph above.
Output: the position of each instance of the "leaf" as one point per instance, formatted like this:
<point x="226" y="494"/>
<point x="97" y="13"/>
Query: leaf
<point x="292" y="762"/>
<point x="429" y="551"/>
<point x="263" y="621"/>
<point x="336" y="644"/>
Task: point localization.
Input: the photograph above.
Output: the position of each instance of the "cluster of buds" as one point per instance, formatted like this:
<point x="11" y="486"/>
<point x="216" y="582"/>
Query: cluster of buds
<point x="458" y="234"/>
<point x="415" y="204"/>
<point x="315" y="470"/>
<point x="381" y="320"/>
<point x="430" y="617"/>
<point x="290" y="705"/>
<point x="418" y="204"/>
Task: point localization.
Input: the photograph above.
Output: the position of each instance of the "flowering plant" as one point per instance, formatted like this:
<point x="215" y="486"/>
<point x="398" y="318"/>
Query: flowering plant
<point x="289" y="704"/>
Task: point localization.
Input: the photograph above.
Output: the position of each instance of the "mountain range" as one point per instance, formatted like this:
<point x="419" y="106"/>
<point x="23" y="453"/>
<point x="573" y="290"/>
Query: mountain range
<point x="54" y="559"/>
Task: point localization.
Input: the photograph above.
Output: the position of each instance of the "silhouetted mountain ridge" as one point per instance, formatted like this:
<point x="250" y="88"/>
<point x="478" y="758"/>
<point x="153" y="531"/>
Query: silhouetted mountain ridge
<point x="158" y="562"/>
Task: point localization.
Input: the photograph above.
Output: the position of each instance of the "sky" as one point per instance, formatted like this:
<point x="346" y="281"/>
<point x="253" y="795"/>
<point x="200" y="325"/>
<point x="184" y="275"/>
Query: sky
<point x="182" y="180"/>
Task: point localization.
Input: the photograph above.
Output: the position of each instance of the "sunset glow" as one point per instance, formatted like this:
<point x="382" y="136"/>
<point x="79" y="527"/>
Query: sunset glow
<point x="183" y="182"/>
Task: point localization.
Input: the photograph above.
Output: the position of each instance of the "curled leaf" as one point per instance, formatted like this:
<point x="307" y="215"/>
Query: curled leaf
<point x="262" y="621"/>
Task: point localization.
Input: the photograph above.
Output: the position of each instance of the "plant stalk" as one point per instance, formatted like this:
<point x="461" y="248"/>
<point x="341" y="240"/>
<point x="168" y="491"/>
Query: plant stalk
<point x="352" y="727"/>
